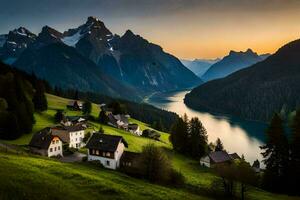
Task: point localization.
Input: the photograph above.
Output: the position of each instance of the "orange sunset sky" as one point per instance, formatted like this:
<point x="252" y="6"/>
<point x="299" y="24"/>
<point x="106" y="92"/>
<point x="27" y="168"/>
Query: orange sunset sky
<point x="186" y="28"/>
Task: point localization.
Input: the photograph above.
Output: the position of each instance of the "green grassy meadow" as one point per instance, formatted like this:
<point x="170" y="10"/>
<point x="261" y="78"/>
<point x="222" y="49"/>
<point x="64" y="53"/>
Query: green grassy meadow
<point x="34" y="177"/>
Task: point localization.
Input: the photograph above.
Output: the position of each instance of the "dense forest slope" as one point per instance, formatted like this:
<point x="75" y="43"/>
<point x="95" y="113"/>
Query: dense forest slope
<point x="272" y="85"/>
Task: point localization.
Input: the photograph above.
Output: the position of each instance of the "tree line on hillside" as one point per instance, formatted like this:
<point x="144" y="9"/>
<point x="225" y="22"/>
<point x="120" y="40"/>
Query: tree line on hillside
<point x="282" y="156"/>
<point x="189" y="137"/>
<point x="20" y="95"/>
<point x="159" y="119"/>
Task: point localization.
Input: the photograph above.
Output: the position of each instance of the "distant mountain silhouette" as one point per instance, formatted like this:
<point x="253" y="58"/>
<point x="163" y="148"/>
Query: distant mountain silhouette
<point x="232" y="63"/>
<point x="91" y="58"/>
<point x="199" y="66"/>
<point x="256" y="92"/>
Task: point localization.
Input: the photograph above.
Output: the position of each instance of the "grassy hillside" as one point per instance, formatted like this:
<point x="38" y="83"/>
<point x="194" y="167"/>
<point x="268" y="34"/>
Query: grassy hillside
<point x="43" y="175"/>
<point x="48" y="179"/>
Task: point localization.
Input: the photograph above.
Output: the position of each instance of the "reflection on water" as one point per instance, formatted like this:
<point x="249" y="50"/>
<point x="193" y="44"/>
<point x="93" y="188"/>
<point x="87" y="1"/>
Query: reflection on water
<point x="241" y="136"/>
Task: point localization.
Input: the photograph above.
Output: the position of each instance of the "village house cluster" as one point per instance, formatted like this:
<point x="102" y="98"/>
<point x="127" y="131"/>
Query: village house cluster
<point x="109" y="150"/>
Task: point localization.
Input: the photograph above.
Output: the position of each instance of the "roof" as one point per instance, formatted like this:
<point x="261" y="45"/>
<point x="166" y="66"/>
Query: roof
<point x="63" y="134"/>
<point x="219" y="156"/>
<point x="77" y="127"/>
<point x="112" y="119"/>
<point x="72" y="103"/>
<point x="42" y="139"/>
<point x="105" y="142"/>
<point x="234" y="156"/>
<point x="128" y="156"/>
<point x="133" y="126"/>
<point x="122" y="118"/>
<point x="75" y="118"/>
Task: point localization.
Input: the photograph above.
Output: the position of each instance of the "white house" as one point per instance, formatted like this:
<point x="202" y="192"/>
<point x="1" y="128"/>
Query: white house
<point x="107" y="149"/>
<point x="73" y="135"/>
<point x="46" y="144"/>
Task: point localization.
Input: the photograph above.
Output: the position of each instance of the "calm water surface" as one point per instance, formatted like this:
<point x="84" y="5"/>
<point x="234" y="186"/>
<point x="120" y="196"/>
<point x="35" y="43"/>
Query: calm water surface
<point x="238" y="135"/>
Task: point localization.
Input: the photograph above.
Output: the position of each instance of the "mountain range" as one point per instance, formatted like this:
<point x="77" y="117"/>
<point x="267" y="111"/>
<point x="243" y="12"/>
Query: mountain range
<point x="92" y="58"/>
<point x="233" y="62"/>
<point x="199" y="66"/>
<point x="256" y="92"/>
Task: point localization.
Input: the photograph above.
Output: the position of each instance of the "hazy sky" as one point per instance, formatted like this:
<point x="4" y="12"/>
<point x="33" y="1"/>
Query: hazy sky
<point x="185" y="28"/>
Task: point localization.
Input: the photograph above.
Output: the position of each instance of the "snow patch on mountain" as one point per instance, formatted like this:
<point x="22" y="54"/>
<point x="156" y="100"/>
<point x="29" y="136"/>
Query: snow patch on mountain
<point x="72" y="40"/>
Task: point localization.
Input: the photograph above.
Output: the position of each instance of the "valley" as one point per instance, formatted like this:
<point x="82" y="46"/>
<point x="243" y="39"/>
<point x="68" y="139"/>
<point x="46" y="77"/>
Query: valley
<point x="250" y="134"/>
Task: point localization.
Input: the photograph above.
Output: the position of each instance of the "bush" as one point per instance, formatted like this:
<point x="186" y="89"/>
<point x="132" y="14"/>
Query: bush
<point x="176" y="178"/>
<point x="151" y="134"/>
<point x="154" y="164"/>
<point x="84" y="159"/>
<point x="68" y="150"/>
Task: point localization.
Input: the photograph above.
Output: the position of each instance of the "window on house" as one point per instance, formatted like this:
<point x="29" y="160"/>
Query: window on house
<point x="103" y="153"/>
<point x="54" y="148"/>
<point x="76" y="139"/>
<point x="50" y="149"/>
<point x="53" y="142"/>
<point x="93" y="151"/>
<point x="58" y="148"/>
<point x="97" y="152"/>
<point x="107" y="154"/>
<point x="57" y="141"/>
<point x="107" y="162"/>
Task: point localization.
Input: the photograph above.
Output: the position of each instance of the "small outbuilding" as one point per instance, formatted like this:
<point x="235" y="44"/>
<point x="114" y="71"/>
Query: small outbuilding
<point x="216" y="157"/>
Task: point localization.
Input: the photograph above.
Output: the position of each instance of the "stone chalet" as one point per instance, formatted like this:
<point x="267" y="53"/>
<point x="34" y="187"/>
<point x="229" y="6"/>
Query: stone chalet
<point x="218" y="157"/>
<point x="46" y="144"/>
<point x="107" y="149"/>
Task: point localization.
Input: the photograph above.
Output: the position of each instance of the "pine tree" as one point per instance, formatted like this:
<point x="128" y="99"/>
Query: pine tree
<point x="59" y="115"/>
<point x="179" y="136"/>
<point x="87" y="108"/>
<point x="103" y="118"/>
<point x="39" y="99"/>
<point x="219" y="145"/>
<point x="295" y="154"/>
<point x="197" y="138"/>
<point x="276" y="156"/>
<point x="24" y="108"/>
<point x="76" y="95"/>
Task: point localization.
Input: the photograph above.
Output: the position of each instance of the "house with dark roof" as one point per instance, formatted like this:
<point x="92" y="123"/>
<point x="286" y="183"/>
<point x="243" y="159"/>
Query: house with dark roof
<point x="234" y="156"/>
<point x="118" y="121"/>
<point x="217" y="157"/>
<point x="75" y="105"/>
<point x="73" y="120"/>
<point x="73" y="135"/>
<point x="134" y="129"/>
<point x="107" y="149"/>
<point x="46" y="144"/>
